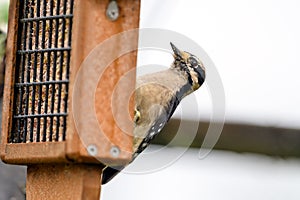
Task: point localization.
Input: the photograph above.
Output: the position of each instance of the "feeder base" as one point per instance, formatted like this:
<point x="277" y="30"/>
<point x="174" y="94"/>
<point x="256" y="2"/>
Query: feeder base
<point x="63" y="181"/>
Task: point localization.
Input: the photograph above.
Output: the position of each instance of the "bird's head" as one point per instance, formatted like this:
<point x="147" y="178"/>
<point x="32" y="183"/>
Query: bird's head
<point x="191" y="67"/>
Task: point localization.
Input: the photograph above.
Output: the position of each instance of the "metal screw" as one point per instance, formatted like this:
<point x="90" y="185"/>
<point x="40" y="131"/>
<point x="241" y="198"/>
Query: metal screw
<point x="112" y="11"/>
<point x="92" y="150"/>
<point x="115" y="151"/>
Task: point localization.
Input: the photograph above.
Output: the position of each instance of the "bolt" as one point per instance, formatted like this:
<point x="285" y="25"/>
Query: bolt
<point x="115" y="151"/>
<point x="92" y="150"/>
<point x="112" y="12"/>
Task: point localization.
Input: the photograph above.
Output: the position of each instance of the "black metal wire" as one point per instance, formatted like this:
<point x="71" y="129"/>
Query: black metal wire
<point x="41" y="83"/>
<point x="35" y="55"/>
<point x="32" y="51"/>
<point x="28" y="74"/>
<point x="38" y="138"/>
<point x="40" y="115"/>
<point x="43" y="18"/>
<point x="54" y="67"/>
<point x="67" y="71"/>
<point x="60" y="73"/>
<point x="15" y="136"/>
<point x="42" y="71"/>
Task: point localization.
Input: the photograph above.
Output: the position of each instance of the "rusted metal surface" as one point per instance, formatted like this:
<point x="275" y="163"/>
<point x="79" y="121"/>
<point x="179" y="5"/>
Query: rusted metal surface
<point x="90" y="29"/>
<point x="76" y="182"/>
<point x="46" y="152"/>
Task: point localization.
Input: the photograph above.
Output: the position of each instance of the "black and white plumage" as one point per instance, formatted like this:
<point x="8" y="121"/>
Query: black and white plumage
<point x="157" y="96"/>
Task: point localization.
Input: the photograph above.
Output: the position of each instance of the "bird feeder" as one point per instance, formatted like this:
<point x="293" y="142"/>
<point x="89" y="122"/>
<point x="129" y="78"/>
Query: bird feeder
<point x="47" y="124"/>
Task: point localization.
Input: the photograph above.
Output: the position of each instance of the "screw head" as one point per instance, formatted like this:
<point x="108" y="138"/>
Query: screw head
<point x="92" y="150"/>
<point x="115" y="151"/>
<point x="112" y="11"/>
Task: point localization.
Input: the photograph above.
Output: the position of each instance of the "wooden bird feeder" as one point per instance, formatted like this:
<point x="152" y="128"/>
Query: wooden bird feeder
<point x="53" y="48"/>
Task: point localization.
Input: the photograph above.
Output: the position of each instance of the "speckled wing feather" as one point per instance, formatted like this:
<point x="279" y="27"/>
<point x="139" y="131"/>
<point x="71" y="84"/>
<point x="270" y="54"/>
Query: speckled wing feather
<point x="155" y="113"/>
<point x="157" y="125"/>
<point x="110" y="172"/>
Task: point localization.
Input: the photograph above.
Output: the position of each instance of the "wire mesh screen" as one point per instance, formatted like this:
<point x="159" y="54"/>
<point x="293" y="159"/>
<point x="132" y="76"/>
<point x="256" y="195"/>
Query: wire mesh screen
<point x="42" y="71"/>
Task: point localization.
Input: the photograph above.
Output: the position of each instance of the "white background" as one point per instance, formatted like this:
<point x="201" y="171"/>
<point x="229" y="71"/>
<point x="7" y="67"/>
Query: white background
<point x="255" y="45"/>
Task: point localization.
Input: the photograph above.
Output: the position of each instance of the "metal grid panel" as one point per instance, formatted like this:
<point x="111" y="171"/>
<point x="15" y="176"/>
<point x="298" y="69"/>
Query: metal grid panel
<point x="42" y="71"/>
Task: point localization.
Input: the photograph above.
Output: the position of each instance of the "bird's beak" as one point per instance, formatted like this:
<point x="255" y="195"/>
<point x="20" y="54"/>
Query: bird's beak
<point x="177" y="52"/>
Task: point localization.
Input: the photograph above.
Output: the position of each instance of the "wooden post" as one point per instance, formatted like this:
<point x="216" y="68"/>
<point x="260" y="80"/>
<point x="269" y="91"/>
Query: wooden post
<point x="63" y="181"/>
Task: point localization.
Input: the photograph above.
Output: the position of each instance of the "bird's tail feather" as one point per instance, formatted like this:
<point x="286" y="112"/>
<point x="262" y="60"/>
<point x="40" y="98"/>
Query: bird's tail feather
<point x="109" y="173"/>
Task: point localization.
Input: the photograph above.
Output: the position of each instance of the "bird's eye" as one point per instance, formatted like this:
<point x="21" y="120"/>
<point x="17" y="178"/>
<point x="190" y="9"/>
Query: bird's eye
<point x="193" y="62"/>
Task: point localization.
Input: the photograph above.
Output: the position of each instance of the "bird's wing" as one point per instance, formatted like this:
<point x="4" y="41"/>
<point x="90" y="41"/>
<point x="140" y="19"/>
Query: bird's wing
<point x="165" y="109"/>
<point x="158" y="125"/>
<point x="110" y="172"/>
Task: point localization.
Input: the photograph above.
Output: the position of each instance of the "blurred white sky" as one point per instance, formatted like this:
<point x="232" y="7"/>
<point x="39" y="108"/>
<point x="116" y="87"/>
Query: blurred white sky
<point x="255" y="46"/>
<point x="221" y="175"/>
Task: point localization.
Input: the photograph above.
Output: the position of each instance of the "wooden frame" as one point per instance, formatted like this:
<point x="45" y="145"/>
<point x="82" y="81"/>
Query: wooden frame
<point x="90" y="28"/>
<point x="11" y="49"/>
